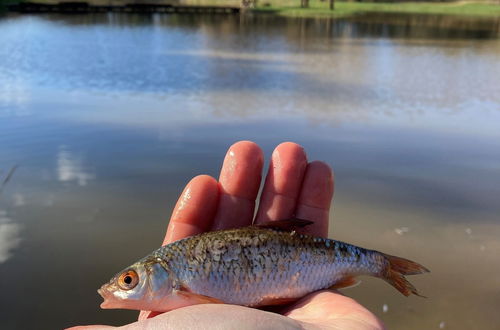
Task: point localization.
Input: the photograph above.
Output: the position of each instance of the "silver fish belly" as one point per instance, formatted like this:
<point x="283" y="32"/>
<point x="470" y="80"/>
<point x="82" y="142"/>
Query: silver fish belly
<point x="259" y="265"/>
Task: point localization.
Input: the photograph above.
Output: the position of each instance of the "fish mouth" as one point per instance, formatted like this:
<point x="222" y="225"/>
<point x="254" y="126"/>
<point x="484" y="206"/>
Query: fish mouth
<point x="105" y="305"/>
<point x="104" y="294"/>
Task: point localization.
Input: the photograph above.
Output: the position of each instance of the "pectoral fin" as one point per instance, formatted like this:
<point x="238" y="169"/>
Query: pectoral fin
<point x="195" y="299"/>
<point x="182" y="298"/>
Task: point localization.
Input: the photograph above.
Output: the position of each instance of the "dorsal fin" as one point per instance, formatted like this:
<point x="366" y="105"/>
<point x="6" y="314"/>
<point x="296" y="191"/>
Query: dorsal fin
<point x="285" y="224"/>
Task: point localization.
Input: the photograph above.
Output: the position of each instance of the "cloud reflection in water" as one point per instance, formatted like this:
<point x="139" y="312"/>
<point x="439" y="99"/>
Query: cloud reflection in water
<point x="9" y="236"/>
<point x="71" y="168"/>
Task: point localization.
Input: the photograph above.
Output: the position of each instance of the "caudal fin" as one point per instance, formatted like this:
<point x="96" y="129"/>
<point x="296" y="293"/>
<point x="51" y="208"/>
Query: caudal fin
<point x="396" y="270"/>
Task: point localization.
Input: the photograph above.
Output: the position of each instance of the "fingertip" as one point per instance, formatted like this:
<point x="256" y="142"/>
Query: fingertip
<point x="290" y="146"/>
<point x="200" y="194"/>
<point x="239" y="183"/>
<point x="247" y="149"/>
<point x="205" y="182"/>
<point x="242" y="169"/>
<point x="245" y="144"/>
<point x="283" y="182"/>
<point x="292" y="151"/>
<point x="287" y="168"/>
<point x="195" y="208"/>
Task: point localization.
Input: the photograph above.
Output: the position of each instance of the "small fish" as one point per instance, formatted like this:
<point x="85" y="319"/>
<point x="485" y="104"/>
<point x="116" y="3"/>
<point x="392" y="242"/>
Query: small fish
<point x="260" y="265"/>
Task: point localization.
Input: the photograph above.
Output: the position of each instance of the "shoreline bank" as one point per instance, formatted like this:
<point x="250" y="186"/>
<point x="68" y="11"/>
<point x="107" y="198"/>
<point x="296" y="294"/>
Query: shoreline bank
<point x="318" y="9"/>
<point x="291" y="8"/>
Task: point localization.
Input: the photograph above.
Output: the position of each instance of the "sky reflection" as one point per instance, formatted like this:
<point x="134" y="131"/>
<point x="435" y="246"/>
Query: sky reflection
<point x="9" y="236"/>
<point x="71" y="168"/>
<point x="353" y="79"/>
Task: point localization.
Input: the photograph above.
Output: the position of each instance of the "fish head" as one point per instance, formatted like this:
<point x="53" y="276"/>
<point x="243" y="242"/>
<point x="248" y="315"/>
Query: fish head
<point x="141" y="286"/>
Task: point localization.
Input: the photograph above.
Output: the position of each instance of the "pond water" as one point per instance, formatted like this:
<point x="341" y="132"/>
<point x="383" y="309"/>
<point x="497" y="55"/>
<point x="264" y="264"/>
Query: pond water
<point x="107" y="117"/>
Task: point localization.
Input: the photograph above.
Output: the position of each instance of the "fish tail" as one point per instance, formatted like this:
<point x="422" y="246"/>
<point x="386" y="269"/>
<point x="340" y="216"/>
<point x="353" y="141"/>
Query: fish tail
<point x="396" y="270"/>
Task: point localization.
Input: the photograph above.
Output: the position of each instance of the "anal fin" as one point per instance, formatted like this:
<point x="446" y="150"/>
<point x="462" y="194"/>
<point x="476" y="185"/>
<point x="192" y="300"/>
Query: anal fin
<point x="277" y="301"/>
<point x="346" y="282"/>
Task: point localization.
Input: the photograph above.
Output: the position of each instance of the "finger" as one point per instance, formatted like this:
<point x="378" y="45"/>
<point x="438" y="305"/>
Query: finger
<point x="315" y="198"/>
<point x="193" y="213"/>
<point x="324" y="308"/>
<point x="195" y="209"/>
<point x="239" y="183"/>
<point x="216" y="316"/>
<point x="283" y="182"/>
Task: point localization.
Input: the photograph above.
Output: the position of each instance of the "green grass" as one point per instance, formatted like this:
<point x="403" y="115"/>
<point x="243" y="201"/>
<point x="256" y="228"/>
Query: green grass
<point x="320" y="9"/>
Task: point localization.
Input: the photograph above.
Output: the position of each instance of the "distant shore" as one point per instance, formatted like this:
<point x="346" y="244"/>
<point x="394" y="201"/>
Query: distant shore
<point x="321" y="8"/>
<point x="318" y="8"/>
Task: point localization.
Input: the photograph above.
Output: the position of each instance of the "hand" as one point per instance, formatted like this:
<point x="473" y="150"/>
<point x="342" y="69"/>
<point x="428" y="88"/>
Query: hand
<point x="293" y="187"/>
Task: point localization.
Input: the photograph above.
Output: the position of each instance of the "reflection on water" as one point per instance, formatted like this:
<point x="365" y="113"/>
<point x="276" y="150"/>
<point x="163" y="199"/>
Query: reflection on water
<point x="357" y="73"/>
<point x="18" y="199"/>
<point x="428" y="26"/>
<point x="9" y="236"/>
<point x="109" y="115"/>
<point x="70" y="168"/>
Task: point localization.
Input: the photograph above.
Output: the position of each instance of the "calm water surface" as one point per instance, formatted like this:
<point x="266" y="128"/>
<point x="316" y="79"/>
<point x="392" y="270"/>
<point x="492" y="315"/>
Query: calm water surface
<point x="108" y="116"/>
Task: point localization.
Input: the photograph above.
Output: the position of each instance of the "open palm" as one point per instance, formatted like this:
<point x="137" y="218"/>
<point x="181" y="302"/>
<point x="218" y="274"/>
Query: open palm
<point x="293" y="187"/>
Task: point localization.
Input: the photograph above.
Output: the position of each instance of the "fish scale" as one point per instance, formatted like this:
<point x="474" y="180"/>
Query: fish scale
<point x="305" y="264"/>
<point x="253" y="266"/>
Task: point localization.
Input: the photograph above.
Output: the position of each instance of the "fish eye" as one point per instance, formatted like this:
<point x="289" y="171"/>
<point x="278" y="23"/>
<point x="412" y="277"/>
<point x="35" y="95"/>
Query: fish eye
<point x="128" y="280"/>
